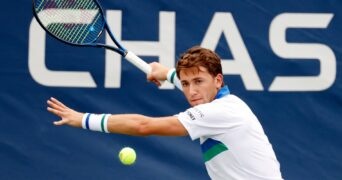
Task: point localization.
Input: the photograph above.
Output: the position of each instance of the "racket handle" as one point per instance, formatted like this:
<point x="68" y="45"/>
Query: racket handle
<point x="138" y="62"/>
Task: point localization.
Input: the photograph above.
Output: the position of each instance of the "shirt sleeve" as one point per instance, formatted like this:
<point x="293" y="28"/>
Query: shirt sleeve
<point x="209" y="119"/>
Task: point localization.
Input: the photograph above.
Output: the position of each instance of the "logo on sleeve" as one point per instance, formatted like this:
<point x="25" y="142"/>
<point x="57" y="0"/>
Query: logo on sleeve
<point x="192" y="117"/>
<point x="194" y="114"/>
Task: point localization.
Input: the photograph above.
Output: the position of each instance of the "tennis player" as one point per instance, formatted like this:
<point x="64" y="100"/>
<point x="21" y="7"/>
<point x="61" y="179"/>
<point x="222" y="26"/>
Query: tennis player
<point x="233" y="142"/>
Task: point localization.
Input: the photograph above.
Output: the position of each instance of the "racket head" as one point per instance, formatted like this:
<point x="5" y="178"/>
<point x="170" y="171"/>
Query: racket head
<point x="76" y="22"/>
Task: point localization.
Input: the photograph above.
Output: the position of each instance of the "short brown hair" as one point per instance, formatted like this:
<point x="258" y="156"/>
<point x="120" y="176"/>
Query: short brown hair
<point x="198" y="56"/>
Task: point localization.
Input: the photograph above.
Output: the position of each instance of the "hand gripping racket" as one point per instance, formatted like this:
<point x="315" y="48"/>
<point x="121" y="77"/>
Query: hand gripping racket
<point x="80" y="23"/>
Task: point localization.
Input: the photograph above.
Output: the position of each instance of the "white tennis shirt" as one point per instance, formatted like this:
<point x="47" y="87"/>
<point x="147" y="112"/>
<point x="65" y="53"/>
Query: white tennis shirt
<point x="233" y="142"/>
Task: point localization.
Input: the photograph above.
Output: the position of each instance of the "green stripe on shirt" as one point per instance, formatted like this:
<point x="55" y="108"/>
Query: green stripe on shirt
<point x="214" y="151"/>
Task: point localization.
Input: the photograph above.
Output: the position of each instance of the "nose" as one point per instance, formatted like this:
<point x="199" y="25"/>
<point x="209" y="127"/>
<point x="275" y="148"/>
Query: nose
<point x="192" y="90"/>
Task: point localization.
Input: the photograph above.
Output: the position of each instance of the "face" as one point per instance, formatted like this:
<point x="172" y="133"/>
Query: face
<point x="199" y="86"/>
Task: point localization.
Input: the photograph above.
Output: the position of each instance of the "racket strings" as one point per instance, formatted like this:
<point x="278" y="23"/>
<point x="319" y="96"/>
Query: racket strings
<point x="74" y="21"/>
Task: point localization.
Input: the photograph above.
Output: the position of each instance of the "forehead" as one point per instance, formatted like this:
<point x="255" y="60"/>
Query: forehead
<point x="193" y="72"/>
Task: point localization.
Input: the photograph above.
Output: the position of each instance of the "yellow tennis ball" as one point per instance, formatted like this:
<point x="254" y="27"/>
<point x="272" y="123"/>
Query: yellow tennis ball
<point x="127" y="156"/>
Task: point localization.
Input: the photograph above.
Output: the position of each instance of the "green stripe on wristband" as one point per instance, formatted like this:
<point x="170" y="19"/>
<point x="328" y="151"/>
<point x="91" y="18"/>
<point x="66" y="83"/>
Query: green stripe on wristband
<point x="172" y="76"/>
<point x="102" y="123"/>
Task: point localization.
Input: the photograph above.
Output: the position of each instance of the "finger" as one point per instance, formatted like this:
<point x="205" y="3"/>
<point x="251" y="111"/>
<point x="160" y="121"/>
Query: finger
<point x="156" y="82"/>
<point x="55" y="111"/>
<point x="58" y="102"/>
<point x="54" y="105"/>
<point x="149" y="77"/>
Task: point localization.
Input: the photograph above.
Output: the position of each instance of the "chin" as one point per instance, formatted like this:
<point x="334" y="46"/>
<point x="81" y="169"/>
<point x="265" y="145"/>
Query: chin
<point x="195" y="103"/>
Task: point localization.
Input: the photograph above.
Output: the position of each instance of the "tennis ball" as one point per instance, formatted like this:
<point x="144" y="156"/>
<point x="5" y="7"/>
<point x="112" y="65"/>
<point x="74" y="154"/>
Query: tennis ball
<point x="127" y="156"/>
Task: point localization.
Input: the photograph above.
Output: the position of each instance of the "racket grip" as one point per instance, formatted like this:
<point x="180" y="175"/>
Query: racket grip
<point x="138" y="62"/>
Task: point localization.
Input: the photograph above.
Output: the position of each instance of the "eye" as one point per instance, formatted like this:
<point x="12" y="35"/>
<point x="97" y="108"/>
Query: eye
<point x="198" y="81"/>
<point x="185" y="84"/>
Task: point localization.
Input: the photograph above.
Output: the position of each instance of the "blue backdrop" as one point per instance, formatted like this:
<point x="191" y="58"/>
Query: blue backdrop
<point x="262" y="42"/>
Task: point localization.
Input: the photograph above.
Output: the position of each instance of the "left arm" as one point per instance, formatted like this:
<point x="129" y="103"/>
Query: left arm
<point x="129" y="124"/>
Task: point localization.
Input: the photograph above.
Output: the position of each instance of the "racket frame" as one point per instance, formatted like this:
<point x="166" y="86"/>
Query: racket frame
<point x="128" y="55"/>
<point x="120" y="49"/>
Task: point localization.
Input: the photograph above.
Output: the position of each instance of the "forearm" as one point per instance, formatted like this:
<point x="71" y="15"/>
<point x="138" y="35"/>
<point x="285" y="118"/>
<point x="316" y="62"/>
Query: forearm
<point x="129" y="124"/>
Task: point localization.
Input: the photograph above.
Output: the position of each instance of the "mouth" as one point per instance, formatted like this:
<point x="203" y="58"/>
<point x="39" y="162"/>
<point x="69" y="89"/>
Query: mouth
<point x="195" y="100"/>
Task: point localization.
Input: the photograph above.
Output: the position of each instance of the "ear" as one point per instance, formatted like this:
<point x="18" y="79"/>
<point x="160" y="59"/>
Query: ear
<point x="218" y="81"/>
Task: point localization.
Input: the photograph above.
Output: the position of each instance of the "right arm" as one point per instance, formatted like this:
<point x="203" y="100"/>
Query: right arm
<point x="160" y="73"/>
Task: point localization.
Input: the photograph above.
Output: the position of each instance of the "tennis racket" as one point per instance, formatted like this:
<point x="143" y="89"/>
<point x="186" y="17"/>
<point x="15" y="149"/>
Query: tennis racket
<point x="80" y="23"/>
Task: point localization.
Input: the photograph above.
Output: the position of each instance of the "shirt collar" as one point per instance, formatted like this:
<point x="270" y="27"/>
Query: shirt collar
<point x="222" y="92"/>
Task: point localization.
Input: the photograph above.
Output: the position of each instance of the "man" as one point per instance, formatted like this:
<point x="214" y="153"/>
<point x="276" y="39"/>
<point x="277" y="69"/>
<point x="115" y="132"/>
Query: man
<point x="233" y="142"/>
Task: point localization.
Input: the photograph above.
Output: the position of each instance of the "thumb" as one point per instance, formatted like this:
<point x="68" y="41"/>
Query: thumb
<point x="60" y="122"/>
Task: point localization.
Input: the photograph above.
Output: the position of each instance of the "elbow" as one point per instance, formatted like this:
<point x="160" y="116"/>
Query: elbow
<point x="143" y="129"/>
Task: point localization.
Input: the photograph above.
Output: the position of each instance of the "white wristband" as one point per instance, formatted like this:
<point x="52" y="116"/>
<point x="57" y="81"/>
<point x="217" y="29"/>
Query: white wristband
<point x="172" y="78"/>
<point x="171" y="75"/>
<point x="95" y="122"/>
